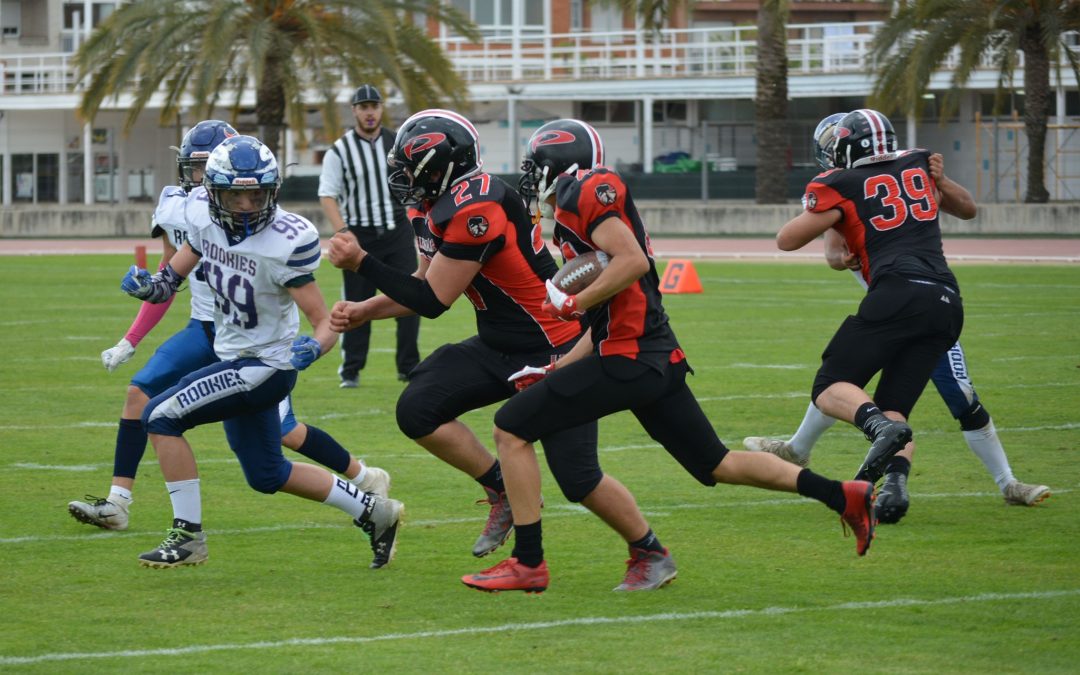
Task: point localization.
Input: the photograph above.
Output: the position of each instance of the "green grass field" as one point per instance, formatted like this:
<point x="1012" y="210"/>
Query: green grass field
<point x="767" y="582"/>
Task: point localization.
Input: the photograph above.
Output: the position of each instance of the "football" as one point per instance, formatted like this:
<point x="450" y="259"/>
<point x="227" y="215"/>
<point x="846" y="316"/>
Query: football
<point x="578" y="272"/>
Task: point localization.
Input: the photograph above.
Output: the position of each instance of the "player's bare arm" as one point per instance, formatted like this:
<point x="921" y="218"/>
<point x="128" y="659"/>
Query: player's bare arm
<point x="311" y="302"/>
<point x="805" y="228"/>
<point x="953" y="198"/>
<point x="837" y="254"/>
<point x="626" y="263"/>
<point x="332" y="212"/>
<point x="345" y="252"/>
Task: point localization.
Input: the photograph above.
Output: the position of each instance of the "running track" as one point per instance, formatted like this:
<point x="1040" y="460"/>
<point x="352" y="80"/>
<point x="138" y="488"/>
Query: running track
<point x="960" y="249"/>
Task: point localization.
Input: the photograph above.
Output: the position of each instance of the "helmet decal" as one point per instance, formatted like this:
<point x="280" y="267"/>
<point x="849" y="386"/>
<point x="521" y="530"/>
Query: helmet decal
<point x="418" y="144"/>
<point x="551" y="137"/>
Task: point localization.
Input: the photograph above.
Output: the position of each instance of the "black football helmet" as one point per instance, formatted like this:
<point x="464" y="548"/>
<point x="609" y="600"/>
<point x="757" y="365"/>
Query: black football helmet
<point x="433" y="150"/>
<point x="558" y="147"/>
<point x="863" y="137"/>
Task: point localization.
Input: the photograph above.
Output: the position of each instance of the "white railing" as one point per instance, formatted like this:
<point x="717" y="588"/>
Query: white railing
<point x="813" y="49"/>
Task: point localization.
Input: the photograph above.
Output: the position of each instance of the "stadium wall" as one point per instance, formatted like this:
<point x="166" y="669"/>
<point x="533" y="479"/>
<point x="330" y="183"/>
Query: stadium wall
<point x="673" y="217"/>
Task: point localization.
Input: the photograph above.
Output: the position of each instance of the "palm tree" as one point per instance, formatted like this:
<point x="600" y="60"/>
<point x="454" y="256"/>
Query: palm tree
<point x="653" y="13"/>
<point x="290" y="51"/>
<point x="917" y="39"/>
<point x="770" y="102"/>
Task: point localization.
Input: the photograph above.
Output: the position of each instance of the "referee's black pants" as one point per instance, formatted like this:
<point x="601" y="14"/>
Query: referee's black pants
<point x="396" y="248"/>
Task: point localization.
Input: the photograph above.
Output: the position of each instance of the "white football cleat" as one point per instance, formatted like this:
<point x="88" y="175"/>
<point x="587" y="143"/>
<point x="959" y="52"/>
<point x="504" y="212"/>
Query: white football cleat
<point x="774" y="446"/>
<point x="100" y="512"/>
<point x="1024" y="494"/>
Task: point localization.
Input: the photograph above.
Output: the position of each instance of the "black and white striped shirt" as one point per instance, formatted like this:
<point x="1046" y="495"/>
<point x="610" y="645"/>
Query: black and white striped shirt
<point x="354" y="172"/>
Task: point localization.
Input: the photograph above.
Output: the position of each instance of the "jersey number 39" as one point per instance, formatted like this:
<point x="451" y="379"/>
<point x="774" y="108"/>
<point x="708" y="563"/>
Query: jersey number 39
<point x="911" y="195"/>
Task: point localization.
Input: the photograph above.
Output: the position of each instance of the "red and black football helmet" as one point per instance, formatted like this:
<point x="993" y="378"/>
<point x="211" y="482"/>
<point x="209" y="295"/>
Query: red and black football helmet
<point x="862" y="137"/>
<point x="558" y="147"/>
<point x="433" y="150"/>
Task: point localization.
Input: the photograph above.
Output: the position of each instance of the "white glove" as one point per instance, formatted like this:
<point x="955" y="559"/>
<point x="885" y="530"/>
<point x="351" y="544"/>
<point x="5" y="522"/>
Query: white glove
<point x="547" y="217"/>
<point x="114" y="356"/>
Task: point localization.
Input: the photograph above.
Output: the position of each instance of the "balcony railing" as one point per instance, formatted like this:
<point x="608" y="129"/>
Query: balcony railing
<point x="813" y="49"/>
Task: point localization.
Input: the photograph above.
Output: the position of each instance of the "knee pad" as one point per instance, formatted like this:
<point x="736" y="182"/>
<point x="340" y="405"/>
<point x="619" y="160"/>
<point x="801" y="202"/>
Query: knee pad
<point x="975" y="418"/>
<point x="416" y="418"/>
<point x="268" y="482"/>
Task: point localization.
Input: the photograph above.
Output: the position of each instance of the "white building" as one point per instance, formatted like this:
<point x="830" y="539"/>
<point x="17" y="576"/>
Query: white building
<point x="690" y="90"/>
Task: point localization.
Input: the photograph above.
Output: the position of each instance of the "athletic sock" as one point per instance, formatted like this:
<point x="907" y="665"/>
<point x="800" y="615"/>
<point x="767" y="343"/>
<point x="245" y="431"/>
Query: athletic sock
<point x="528" y="544"/>
<point x="863" y="415"/>
<point x="649" y="542"/>
<point x="321" y="447"/>
<point x="813" y="425"/>
<point x="827" y="491"/>
<point x="130" y="448"/>
<point x="186" y="500"/>
<point x="347" y="498"/>
<point x="120" y="496"/>
<point x="898" y="465"/>
<point x="493" y="479"/>
<point x="987" y="447"/>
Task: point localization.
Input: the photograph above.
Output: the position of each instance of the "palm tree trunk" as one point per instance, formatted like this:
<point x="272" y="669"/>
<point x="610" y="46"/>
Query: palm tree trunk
<point x="1036" y="105"/>
<point x="270" y="103"/>
<point x="770" y="103"/>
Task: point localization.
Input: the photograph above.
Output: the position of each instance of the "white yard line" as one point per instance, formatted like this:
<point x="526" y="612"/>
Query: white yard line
<point x="725" y="615"/>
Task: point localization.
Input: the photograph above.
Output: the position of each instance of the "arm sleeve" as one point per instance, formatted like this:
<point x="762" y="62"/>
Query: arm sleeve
<point x="402" y="288"/>
<point x="149" y="316"/>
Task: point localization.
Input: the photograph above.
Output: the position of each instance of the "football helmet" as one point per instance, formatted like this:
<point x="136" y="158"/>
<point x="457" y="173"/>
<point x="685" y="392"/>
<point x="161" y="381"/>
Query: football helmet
<point x="242" y="182"/>
<point x="562" y="146"/>
<point x="824" y="137"/>
<point x="198" y="143"/>
<point x="433" y="150"/>
<point x="864" y="136"/>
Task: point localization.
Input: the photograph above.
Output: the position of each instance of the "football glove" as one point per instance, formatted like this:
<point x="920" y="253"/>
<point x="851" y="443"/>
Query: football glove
<point x="560" y="305"/>
<point x="112" y="357"/>
<point x="305" y="351"/>
<point x="529" y="375"/>
<point x="156" y="289"/>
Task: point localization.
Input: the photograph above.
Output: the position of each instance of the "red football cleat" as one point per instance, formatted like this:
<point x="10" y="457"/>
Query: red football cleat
<point x="509" y="575"/>
<point x="859" y="513"/>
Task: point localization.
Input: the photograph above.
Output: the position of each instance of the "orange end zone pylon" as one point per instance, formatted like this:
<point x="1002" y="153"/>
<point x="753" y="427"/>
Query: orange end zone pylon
<point x="140" y="257"/>
<point x="680" y="277"/>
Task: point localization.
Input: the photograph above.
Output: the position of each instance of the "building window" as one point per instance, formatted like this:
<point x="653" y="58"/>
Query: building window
<point x="10" y="17"/>
<point x="605" y="19"/>
<point x="495" y="18"/>
<point x="608" y="112"/>
<point x="577" y="15"/>
<point x="669" y="111"/>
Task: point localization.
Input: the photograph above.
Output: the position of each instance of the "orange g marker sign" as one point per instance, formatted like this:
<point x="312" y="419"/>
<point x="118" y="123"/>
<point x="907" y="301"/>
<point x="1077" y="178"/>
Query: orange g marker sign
<point x="680" y="277"/>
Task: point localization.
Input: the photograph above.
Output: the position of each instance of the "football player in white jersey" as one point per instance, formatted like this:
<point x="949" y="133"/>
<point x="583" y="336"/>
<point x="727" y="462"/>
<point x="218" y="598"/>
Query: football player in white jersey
<point x="188" y="350"/>
<point x="950" y="377"/>
<point x="259" y="262"/>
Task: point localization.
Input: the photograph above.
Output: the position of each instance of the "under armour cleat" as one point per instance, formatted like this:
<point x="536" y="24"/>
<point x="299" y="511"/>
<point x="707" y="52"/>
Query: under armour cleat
<point x="179" y="548"/>
<point x="509" y="575"/>
<point x="1024" y="494"/>
<point x="859" y="513"/>
<point x="889" y="437"/>
<point x="376" y="482"/>
<point x="380" y="522"/>
<point x="500" y="522"/>
<point x="774" y="446"/>
<point x="100" y="512"/>
<point x="647" y="570"/>
<point x="892" y="499"/>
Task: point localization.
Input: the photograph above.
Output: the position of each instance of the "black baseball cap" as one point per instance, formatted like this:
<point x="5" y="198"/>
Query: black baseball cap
<point x="366" y="93"/>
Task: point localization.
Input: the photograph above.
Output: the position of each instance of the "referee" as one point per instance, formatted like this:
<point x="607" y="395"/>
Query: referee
<point x="354" y="194"/>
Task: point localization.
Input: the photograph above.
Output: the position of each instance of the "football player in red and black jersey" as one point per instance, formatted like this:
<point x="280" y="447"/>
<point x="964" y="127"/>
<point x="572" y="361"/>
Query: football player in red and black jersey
<point x="885" y="204"/>
<point x="476" y="239"/>
<point x="628" y="359"/>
